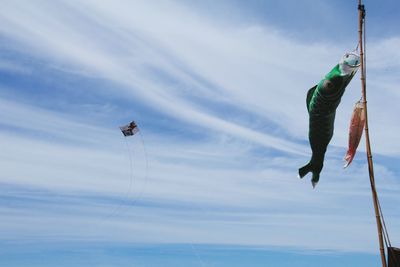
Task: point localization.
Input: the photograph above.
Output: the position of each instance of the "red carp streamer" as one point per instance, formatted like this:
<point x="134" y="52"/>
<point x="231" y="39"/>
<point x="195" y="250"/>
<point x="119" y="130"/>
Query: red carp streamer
<point x="357" y="124"/>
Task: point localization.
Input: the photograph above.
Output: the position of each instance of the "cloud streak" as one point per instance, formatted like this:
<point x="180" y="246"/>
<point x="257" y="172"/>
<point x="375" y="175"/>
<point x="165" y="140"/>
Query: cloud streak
<point x="238" y="88"/>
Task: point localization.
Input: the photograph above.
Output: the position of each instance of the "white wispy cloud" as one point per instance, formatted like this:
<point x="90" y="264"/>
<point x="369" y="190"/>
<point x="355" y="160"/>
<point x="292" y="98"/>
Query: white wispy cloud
<point x="192" y="194"/>
<point x="73" y="46"/>
<point x="185" y="65"/>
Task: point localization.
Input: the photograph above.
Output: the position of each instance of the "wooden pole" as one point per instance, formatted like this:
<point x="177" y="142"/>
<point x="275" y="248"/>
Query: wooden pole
<point x="361" y="16"/>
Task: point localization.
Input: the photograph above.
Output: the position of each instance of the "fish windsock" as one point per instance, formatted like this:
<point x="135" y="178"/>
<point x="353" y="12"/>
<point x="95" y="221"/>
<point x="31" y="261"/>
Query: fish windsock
<point x="356" y="129"/>
<point x="322" y="102"/>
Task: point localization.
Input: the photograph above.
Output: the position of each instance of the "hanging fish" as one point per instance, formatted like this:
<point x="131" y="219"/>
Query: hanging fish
<point x="356" y="129"/>
<point x="322" y="101"/>
<point x="130" y="129"/>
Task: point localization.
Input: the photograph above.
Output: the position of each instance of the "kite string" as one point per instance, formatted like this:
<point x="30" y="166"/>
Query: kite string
<point x="195" y="251"/>
<point x="140" y="194"/>
<point x="132" y="182"/>
<point x="127" y="196"/>
<point x="197" y="254"/>
<point x="117" y="209"/>
<point x="193" y="248"/>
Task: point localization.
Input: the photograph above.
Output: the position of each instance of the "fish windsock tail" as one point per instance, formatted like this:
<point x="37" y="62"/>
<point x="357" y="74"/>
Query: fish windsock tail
<point x="310" y="168"/>
<point x="314" y="179"/>
<point x="349" y="158"/>
<point x="304" y="170"/>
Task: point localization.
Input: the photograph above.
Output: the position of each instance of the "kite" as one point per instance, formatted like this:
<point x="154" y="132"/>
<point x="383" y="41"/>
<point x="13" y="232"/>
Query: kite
<point x="322" y="102"/>
<point x="138" y="167"/>
<point x="356" y="129"/>
<point x="129" y="129"/>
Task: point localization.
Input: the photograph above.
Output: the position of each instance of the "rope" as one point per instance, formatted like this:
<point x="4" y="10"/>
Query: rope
<point x="118" y="209"/>
<point x="378" y="215"/>
<point x="384" y="228"/>
<point x="139" y="195"/>
<point x="386" y="237"/>
<point x="365" y="49"/>
<point x="386" y="234"/>
<point x="373" y="187"/>
<point x="126" y="199"/>
<point x="356" y="49"/>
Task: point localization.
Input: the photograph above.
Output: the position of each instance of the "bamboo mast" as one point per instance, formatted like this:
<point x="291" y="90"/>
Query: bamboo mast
<point x="361" y="16"/>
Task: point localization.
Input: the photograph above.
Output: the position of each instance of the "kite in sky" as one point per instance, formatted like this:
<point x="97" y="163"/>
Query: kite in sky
<point x="322" y="102"/>
<point x="356" y="129"/>
<point x="129" y="129"/>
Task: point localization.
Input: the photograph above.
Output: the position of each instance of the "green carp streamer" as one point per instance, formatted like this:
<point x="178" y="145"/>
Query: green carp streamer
<point x="322" y="102"/>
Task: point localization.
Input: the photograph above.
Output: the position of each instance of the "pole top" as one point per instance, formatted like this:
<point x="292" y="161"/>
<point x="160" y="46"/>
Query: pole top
<point x="362" y="9"/>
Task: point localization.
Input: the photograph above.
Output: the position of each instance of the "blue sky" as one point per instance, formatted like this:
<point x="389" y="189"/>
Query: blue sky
<point x="218" y="91"/>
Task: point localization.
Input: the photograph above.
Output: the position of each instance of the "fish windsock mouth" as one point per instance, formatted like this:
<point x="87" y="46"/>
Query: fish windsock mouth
<point x="351" y="59"/>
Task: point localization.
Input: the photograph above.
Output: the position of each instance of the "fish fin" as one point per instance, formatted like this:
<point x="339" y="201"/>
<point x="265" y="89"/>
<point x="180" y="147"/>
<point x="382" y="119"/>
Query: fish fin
<point x="304" y="170"/>
<point x="348" y="159"/>
<point x="310" y="94"/>
<point x="314" y="179"/>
